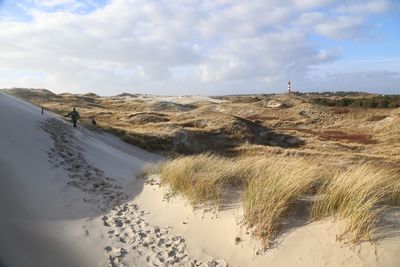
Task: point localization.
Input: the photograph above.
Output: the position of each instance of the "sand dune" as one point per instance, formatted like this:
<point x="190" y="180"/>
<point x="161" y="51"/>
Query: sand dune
<point x="63" y="191"/>
<point x="69" y="197"/>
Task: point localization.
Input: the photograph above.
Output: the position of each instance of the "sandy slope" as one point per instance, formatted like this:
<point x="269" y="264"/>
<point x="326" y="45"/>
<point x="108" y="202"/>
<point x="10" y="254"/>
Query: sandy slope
<point x="57" y="186"/>
<point x="32" y="192"/>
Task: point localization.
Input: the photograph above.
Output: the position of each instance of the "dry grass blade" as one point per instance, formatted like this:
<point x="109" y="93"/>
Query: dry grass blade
<point x="274" y="190"/>
<point x="203" y="177"/>
<point x="356" y="196"/>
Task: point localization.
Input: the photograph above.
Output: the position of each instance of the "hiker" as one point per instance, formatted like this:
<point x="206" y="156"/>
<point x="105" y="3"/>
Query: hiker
<point x="74" y="116"/>
<point x="93" y="122"/>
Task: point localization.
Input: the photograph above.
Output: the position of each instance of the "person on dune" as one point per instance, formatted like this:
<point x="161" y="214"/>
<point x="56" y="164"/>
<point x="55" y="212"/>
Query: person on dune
<point x="94" y="122"/>
<point x="74" y="116"/>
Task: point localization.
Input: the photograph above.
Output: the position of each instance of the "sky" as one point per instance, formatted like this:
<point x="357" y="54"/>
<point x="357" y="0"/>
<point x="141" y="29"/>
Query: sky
<point x="200" y="47"/>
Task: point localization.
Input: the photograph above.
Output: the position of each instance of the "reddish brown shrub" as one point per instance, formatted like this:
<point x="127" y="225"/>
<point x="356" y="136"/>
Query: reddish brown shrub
<point x="350" y="137"/>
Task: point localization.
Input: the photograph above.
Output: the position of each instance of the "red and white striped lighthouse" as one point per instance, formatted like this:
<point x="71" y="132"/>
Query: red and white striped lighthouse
<point x="289" y="89"/>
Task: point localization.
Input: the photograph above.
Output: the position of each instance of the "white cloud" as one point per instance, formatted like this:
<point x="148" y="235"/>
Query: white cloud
<point x="311" y="18"/>
<point x="70" y="5"/>
<point x="54" y="3"/>
<point x="183" y="44"/>
<point x="310" y="4"/>
<point x="365" y="7"/>
<point x="343" y="27"/>
<point x="266" y="56"/>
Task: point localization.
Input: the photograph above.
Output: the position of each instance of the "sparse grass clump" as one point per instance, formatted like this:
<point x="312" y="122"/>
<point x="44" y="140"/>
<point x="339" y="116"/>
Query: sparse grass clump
<point x="270" y="185"/>
<point x="274" y="190"/>
<point x="357" y="196"/>
<point x="202" y="178"/>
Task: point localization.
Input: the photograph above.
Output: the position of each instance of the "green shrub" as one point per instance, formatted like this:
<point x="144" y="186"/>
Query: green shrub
<point x="370" y="102"/>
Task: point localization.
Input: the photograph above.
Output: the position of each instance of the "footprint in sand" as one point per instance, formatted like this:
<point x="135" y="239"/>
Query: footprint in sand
<point x="160" y="248"/>
<point x="83" y="174"/>
<point x="129" y="231"/>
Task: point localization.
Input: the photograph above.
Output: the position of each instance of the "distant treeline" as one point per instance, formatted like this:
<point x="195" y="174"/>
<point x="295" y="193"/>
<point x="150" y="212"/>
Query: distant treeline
<point x="336" y="93"/>
<point x="367" y="102"/>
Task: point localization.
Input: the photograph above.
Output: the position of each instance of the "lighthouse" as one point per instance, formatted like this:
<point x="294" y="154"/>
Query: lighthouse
<point x="289" y="90"/>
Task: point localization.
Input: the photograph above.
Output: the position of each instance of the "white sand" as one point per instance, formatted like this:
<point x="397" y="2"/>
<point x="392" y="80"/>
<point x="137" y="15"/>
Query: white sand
<point x="68" y="197"/>
<point x="33" y="194"/>
<point x="62" y="193"/>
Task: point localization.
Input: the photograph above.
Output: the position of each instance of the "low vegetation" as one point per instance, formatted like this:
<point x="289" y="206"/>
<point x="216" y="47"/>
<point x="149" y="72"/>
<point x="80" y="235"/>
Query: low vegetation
<point x="234" y="125"/>
<point x="350" y="137"/>
<point x="377" y="118"/>
<point x="361" y="102"/>
<point x="272" y="189"/>
<point x="358" y="196"/>
<point x="340" y="110"/>
<point x="202" y="178"/>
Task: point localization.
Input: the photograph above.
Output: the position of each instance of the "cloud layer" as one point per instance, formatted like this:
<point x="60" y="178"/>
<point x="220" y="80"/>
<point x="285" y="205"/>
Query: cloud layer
<point x="177" y="47"/>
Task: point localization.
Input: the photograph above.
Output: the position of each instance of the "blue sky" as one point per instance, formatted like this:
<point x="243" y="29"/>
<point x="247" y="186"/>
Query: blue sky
<point x="200" y="47"/>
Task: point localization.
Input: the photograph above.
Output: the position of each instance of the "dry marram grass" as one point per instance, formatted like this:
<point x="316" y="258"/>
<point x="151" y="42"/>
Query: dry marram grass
<point x="202" y="178"/>
<point x="273" y="186"/>
<point x="273" y="191"/>
<point x="357" y="196"/>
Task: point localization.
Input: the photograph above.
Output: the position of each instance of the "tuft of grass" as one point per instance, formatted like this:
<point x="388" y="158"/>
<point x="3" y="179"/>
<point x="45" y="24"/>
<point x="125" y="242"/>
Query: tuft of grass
<point x="273" y="192"/>
<point x="357" y="197"/>
<point x="270" y="185"/>
<point x="202" y="178"/>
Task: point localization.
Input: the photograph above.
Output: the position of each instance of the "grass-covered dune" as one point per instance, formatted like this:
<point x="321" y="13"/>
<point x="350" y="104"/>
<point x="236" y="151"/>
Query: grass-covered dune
<point x="274" y="189"/>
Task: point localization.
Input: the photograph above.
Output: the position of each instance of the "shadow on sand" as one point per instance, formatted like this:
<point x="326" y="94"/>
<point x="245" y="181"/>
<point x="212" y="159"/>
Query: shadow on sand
<point x="101" y="192"/>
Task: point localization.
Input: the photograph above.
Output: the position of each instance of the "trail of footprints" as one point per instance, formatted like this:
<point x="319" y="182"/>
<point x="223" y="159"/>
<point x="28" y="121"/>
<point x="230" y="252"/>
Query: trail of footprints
<point x="67" y="154"/>
<point x="129" y="226"/>
<point x="130" y="233"/>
